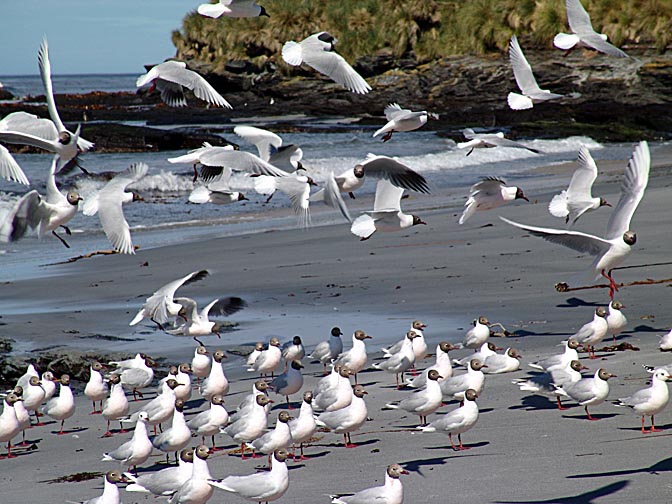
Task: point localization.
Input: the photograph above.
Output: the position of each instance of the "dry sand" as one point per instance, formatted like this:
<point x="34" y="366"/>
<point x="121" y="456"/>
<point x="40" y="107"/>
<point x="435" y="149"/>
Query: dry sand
<point x="522" y="449"/>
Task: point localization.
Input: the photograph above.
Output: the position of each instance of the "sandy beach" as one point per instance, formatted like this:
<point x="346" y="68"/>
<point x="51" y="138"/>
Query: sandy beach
<point x="305" y="282"/>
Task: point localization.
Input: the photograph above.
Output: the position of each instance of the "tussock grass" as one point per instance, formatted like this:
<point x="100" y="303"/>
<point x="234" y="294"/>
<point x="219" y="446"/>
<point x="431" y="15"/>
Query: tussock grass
<point x="422" y="29"/>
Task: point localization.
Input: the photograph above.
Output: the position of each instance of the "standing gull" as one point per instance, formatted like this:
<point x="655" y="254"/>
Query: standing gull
<point x="355" y="358"/>
<point x="457" y="421"/>
<point x="392" y="492"/>
<point x="588" y="391"/>
<point x="326" y="351"/>
<point x="650" y="401"/>
<point x="616" y="321"/>
<point x="62" y="406"/>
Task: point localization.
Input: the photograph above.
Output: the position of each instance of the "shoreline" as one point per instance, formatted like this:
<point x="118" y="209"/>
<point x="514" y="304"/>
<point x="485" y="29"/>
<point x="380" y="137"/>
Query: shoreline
<point x="305" y="282"/>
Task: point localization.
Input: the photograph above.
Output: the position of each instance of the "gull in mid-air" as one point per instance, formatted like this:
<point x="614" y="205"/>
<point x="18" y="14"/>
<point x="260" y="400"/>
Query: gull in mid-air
<point x="612" y="250"/>
<point x="578" y="199"/>
<point x="489" y="193"/>
<point x="171" y="77"/>
<point x="161" y="305"/>
<point x="381" y="167"/>
<point x="44" y="213"/>
<point x="317" y="51"/>
<point x="107" y="203"/>
<point x="197" y="323"/>
<point x="489" y="140"/>
<point x="386" y="215"/>
<point x="399" y="119"/>
<point x="232" y="9"/>
<point x="583" y="33"/>
<point x="522" y="71"/>
<point x="50" y="135"/>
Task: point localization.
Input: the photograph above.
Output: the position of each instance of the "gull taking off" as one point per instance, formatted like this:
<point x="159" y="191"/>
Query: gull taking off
<point x="612" y="250"/>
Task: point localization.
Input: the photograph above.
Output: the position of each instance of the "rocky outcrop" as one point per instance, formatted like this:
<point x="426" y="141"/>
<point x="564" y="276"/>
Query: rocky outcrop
<point x="610" y="99"/>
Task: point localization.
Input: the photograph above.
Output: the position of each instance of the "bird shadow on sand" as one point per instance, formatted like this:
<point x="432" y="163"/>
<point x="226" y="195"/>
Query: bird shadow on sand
<point x="467" y="446"/>
<point x="599" y="416"/>
<point x="358" y="443"/>
<point x="662" y="466"/>
<point x="417" y="465"/>
<point x="71" y="431"/>
<point x="667" y="428"/>
<point x="523" y="333"/>
<point x="582" y="498"/>
<point x="535" y="402"/>
<point x="575" y="302"/>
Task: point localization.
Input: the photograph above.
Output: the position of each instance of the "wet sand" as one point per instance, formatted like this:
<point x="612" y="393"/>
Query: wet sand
<point x="304" y="282"/>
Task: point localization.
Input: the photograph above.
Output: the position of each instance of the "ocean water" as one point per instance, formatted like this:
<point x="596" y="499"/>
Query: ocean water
<point x="31" y="85"/>
<point x="165" y="217"/>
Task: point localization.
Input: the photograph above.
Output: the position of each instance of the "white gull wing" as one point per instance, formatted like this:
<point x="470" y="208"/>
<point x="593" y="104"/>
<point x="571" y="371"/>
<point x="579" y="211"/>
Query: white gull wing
<point x="224" y="306"/>
<point x="190" y="307"/>
<point x="317" y="54"/>
<point x="488" y="187"/>
<point x="287" y="158"/>
<point x="155" y="305"/>
<point x="583" y="178"/>
<point x="579" y="22"/>
<point x="522" y="70"/>
<point x="10" y="169"/>
<point x="45" y="74"/>
<point x="177" y="72"/>
<point x="28" y="212"/>
<point x="394" y="110"/>
<point x="575" y="240"/>
<point x="110" y="211"/>
<point x="632" y="190"/>
<point x="388" y="197"/>
<point x="17" y="137"/>
<point x="172" y="94"/>
<point x="265" y="141"/>
<point x="331" y="195"/>
<point x="29" y="123"/>
<point x="383" y="167"/>
<point x="298" y="191"/>
<point x="215" y="10"/>
<point x="240" y="161"/>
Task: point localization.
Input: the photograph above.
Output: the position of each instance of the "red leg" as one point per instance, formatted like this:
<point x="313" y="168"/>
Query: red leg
<point x="242" y="451"/>
<point x="588" y="414"/>
<point x="302" y="457"/>
<point x="450" y="436"/>
<point x="60" y="433"/>
<point x="560" y="406"/>
<point x="348" y="441"/>
<point x="9" y="450"/>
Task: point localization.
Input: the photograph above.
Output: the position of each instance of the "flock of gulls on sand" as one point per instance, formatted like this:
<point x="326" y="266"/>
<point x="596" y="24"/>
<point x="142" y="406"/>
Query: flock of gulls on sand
<point x="333" y="403"/>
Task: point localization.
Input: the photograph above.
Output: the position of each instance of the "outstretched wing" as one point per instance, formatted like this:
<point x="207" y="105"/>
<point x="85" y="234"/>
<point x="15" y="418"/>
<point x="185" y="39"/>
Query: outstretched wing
<point x="582" y="180"/>
<point x="575" y="240"/>
<point x="400" y="175"/>
<point x="522" y="70"/>
<point x="632" y="190"/>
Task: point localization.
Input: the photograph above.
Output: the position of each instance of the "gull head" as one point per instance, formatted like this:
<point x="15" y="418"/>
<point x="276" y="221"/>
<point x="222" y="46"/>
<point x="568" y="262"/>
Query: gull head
<point x="417" y="220"/>
<point x="64" y="137"/>
<point x="136" y="196"/>
<point x="187" y="455"/>
<point x="630" y="237"/>
<point x="242" y="197"/>
<point x="521" y="195"/>
<point x="395" y="470"/>
<point x="604" y="202"/>
<point x="308" y="397"/>
<point x="603" y="374"/>
<point x="328" y="39"/>
<point x="470" y="395"/>
<point x="601" y="312"/>
<point x="115" y="477"/>
<point x="73" y="198"/>
<point x="263" y="12"/>
<point x="358" y="170"/>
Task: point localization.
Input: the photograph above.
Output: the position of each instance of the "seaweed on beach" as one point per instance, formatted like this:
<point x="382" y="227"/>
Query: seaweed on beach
<point x="74" y="478"/>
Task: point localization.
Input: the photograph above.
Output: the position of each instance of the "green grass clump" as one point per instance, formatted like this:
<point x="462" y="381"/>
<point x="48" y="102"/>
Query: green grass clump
<point x="422" y="29"/>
